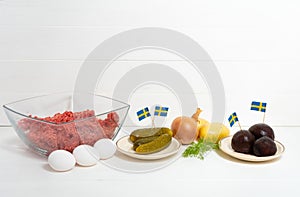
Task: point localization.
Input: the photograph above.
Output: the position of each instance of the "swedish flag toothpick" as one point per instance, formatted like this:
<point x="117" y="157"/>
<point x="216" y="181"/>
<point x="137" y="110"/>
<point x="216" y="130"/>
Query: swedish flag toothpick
<point x="233" y="119"/>
<point x="259" y="106"/>
<point x="158" y="111"/>
<point x="143" y="113"/>
<point x="161" y="111"/>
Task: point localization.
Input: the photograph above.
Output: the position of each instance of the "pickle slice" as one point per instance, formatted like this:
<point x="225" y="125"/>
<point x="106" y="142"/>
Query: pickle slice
<point x="160" y="143"/>
<point x="148" y="132"/>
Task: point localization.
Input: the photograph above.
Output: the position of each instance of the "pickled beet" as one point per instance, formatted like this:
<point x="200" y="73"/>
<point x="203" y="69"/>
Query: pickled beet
<point x="264" y="146"/>
<point x="262" y="129"/>
<point x="242" y="141"/>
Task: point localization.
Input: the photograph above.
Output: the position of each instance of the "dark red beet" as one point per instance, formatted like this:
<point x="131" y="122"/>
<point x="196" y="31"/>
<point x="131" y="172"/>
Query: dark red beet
<point x="264" y="146"/>
<point x="242" y="141"/>
<point x="262" y="129"/>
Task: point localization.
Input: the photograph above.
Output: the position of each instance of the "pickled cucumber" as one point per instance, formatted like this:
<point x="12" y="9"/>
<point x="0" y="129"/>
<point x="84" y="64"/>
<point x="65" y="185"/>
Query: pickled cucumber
<point x="156" y="145"/>
<point x="148" y="132"/>
<point x="143" y="140"/>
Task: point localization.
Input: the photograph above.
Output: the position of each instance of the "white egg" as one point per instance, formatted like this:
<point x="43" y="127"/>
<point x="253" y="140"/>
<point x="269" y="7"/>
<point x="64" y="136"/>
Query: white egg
<point x="61" y="160"/>
<point x="86" y="155"/>
<point x="106" y="148"/>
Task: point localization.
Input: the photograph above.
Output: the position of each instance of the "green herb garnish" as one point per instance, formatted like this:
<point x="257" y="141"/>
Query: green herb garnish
<point x="198" y="149"/>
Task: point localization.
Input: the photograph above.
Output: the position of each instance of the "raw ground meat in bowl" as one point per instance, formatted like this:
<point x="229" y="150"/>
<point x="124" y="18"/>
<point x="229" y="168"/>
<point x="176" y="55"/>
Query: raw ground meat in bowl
<point x="47" y="123"/>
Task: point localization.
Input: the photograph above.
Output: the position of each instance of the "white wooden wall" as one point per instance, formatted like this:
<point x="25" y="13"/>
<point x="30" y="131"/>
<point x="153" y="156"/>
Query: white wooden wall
<point x="255" y="45"/>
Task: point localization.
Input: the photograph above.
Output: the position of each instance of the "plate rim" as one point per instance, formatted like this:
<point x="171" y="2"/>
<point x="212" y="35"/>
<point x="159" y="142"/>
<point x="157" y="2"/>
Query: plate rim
<point x="148" y="156"/>
<point x="248" y="157"/>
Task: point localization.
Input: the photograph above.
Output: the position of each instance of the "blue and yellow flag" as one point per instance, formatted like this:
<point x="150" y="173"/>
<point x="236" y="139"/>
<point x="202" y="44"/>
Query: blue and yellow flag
<point x="161" y="111"/>
<point x="232" y="119"/>
<point x="143" y="113"/>
<point x="258" y="106"/>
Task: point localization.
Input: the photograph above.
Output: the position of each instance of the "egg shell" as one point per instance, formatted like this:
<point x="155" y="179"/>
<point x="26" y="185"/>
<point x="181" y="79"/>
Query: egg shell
<point x="61" y="160"/>
<point x="86" y="155"/>
<point x="106" y="148"/>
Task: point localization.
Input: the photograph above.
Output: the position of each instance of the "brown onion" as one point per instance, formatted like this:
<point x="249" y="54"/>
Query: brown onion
<point x="184" y="129"/>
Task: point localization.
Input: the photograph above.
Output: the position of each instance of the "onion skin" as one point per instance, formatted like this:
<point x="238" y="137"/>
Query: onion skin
<point x="185" y="129"/>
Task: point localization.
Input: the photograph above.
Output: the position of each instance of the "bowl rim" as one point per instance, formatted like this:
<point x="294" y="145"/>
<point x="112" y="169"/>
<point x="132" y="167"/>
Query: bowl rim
<point x="6" y="106"/>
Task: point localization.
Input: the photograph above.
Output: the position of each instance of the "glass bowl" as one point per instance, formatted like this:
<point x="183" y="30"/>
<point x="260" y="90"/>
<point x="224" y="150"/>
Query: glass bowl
<point x="47" y="123"/>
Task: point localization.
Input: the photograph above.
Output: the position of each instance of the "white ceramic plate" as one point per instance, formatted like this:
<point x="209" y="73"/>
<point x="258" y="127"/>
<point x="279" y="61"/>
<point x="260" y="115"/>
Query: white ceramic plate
<point x="225" y="146"/>
<point x="124" y="145"/>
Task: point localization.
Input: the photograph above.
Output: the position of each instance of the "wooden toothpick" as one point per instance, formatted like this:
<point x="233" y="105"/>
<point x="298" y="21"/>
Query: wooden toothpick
<point x="239" y="125"/>
<point x="153" y="124"/>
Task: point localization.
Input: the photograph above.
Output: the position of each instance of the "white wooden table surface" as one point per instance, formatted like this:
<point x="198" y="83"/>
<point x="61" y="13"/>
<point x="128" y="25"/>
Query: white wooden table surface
<point x="24" y="173"/>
